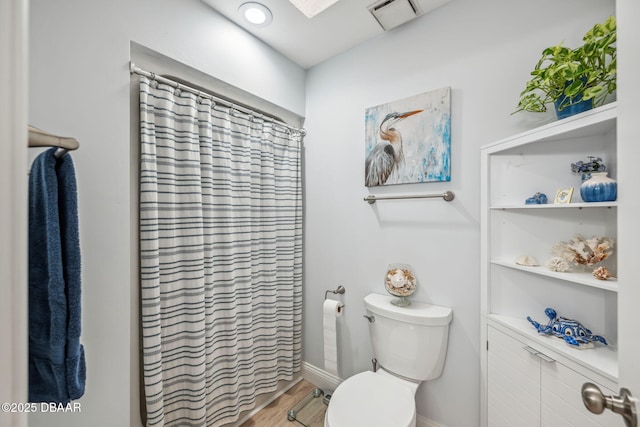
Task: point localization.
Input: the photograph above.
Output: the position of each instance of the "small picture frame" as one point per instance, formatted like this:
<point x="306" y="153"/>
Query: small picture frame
<point x="563" y="195"/>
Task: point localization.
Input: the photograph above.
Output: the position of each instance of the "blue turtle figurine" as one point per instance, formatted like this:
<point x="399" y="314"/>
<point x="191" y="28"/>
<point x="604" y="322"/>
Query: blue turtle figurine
<point x="572" y="331"/>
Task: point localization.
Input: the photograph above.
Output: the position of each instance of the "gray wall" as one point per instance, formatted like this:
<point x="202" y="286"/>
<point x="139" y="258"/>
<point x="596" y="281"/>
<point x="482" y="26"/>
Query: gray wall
<point x="484" y="52"/>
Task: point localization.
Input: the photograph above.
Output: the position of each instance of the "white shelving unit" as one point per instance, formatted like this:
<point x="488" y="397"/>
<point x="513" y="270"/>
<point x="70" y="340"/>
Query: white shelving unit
<point x="513" y="169"/>
<point x="582" y="278"/>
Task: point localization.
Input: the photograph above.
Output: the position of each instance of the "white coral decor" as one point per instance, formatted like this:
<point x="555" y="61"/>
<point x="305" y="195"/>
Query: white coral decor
<point x="558" y="264"/>
<point x="583" y="251"/>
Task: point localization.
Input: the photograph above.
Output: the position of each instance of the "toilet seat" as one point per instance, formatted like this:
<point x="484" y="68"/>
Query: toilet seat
<point x="371" y="400"/>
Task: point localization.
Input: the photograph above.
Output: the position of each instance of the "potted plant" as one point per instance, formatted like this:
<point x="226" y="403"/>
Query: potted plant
<point x="577" y="79"/>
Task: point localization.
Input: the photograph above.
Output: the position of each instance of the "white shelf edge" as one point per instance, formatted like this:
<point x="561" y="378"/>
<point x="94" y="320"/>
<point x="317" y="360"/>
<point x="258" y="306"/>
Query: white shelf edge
<point x="556" y="128"/>
<point x="585" y="279"/>
<point x="556" y="206"/>
<point x="601" y="359"/>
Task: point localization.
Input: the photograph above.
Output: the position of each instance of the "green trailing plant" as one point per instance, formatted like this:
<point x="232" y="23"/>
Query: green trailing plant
<point x="572" y="75"/>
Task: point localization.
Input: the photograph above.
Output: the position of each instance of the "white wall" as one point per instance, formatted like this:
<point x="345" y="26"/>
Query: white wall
<point x="628" y="153"/>
<point x="13" y="209"/>
<point x="484" y="52"/>
<point x="79" y="86"/>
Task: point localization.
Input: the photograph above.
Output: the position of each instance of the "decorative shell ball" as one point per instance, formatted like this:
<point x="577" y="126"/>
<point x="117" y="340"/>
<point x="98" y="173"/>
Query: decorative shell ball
<point x="399" y="281"/>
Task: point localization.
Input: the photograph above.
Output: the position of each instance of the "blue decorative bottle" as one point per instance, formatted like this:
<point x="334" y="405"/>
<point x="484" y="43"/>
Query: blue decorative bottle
<point x="599" y="188"/>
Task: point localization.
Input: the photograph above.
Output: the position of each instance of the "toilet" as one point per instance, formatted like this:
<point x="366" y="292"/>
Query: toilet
<point x="410" y="345"/>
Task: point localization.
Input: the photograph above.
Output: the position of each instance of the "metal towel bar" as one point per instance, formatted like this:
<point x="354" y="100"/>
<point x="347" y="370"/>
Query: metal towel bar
<point x="447" y="196"/>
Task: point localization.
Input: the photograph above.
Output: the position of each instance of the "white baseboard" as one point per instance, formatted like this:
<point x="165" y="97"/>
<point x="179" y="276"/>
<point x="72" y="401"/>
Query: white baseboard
<point x="320" y="378"/>
<point x="426" y="422"/>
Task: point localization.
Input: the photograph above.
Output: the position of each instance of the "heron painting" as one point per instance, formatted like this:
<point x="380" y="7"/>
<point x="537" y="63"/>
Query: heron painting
<point x="409" y="140"/>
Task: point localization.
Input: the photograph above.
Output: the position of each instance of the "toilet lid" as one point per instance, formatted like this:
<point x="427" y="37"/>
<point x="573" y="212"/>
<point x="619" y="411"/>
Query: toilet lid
<point x="371" y="400"/>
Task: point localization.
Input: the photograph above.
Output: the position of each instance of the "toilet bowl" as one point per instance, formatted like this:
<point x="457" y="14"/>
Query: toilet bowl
<point x="371" y="399"/>
<point x="410" y="345"/>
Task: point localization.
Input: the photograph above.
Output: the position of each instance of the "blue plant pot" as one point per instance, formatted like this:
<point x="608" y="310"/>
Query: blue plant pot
<point x="571" y="110"/>
<point x="599" y="188"/>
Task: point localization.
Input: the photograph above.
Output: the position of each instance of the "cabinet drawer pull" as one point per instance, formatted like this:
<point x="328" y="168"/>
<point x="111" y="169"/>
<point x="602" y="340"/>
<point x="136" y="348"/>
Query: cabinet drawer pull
<point x="538" y="354"/>
<point x="545" y="357"/>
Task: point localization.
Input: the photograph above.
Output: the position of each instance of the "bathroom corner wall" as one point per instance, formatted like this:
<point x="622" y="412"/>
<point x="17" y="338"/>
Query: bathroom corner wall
<point x="80" y="86"/>
<point x="484" y="51"/>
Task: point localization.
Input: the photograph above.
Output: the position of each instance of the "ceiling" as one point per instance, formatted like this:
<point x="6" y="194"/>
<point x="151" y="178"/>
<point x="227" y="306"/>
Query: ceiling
<point x="309" y="42"/>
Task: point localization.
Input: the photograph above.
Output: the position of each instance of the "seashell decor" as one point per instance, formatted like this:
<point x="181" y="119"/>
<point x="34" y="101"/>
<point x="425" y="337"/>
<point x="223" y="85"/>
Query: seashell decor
<point x="558" y="264"/>
<point x="399" y="281"/>
<point x="583" y="251"/>
<point x="527" y="260"/>
<point x="601" y="273"/>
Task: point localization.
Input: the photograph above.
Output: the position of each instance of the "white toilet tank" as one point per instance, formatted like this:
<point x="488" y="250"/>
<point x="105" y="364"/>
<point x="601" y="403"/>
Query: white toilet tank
<point x="409" y="341"/>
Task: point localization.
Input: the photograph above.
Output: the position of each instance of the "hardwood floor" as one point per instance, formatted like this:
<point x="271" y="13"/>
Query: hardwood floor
<point x="275" y="414"/>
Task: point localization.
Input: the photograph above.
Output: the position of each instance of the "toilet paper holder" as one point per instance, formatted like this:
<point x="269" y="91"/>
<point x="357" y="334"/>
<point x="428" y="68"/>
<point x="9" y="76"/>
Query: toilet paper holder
<point x="340" y="290"/>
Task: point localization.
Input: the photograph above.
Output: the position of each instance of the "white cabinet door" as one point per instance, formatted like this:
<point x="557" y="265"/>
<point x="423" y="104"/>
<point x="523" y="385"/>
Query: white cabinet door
<point x="562" y="402"/>
<point x="528" y="388"/>
<point x="513" y="383"/>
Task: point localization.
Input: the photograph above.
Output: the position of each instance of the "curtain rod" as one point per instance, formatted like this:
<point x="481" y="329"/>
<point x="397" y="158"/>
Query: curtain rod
<point x="153" y="76"/>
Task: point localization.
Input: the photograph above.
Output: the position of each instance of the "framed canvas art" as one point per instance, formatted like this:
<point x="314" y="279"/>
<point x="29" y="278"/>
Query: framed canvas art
<point x="409" y="140"/>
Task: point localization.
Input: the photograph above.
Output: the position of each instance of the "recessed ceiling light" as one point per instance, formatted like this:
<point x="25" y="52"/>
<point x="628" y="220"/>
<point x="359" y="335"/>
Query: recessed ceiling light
<point x="256" y="14"/>
<point x="311" y="8"/>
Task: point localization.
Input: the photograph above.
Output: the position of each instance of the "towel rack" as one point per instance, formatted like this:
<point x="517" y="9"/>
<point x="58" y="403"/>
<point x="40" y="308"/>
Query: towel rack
<point x="447" y="196"/>
<point x="40" y="138"/>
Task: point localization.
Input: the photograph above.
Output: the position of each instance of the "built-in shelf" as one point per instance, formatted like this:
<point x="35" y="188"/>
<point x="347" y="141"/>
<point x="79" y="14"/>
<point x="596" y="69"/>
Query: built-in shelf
<point x="601" y="359"/>
<point x="582" y="278"/>
<point x="512" y="169"/>
<point x="593" y="122"/>
<point x="557" y="206"/>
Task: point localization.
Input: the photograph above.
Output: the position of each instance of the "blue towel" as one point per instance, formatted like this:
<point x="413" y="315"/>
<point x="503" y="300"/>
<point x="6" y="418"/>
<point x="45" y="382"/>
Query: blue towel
<point x="57" y="370"/>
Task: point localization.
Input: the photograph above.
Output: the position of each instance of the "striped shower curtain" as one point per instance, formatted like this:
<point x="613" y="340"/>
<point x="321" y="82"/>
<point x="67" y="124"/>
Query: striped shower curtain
<point x="221" y="257"/>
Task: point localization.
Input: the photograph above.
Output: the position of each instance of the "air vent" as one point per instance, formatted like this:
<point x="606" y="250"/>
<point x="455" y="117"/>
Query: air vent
<point x="392" y="13"/>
